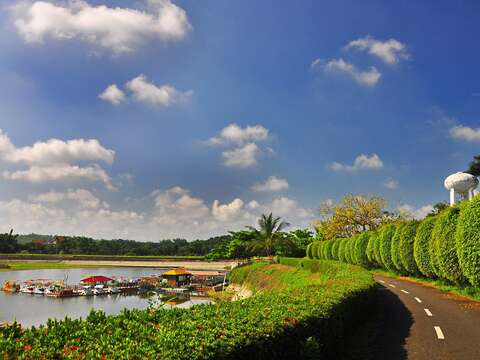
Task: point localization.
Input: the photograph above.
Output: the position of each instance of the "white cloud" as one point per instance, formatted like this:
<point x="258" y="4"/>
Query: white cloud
<point x="235" y="134"/>
<point x="149" y="93"/>
<point x="288" y="209"/>
<point x="253" y="204"/>
<point x="391" y="184"/>
<point x="391" y="51"/>
<point x="361" y="162"/>
<point x="61" y="173"/>
<point x="81" y="196"/>
<point x="226" y="212"/>
<point x="368" y="77"/>
<point x="118" y="29"/>
<point x="273" y="183"/>
<point x="461" y="132"/>
<point x="242" y="157"/>
<point x="113" y="95"/>
<point x="414" y="212"/>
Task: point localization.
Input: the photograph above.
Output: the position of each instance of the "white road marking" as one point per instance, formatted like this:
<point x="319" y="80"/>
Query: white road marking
<point x="392" y="285"/>
<point x="404" y="291"/>
<point x="383" y="282"/>
<point x="418" y="300"/>
<point x="439" y="332"/>
<point x="428" y="312"/>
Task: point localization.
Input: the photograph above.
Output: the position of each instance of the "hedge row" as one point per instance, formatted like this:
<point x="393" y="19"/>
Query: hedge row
<point x="302" y="316"/>
<point x="445" y="246"/>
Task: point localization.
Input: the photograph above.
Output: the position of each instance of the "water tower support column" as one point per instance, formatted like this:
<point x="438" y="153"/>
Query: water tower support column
<point x="452" y="197"/>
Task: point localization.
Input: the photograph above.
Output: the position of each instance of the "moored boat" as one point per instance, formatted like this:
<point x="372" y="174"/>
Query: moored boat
<point x="11" y="286"/>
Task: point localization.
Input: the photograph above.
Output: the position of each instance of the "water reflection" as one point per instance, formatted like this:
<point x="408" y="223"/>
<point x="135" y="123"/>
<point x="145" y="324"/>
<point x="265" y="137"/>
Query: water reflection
<point x="36" y="309"/>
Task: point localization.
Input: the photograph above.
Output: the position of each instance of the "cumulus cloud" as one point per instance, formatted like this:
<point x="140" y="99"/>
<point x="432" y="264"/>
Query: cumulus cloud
<point x="61" y="173"/>
<point x="390" y="51"/>
<point x="414" y="212"/>
<point x="242" y="157"/>
<point x="113" y="95"/>
<point x="53" y="160"/>
<point x="391" y="184"/>
<point x="235" y="134"/>
<point x="288" y="208"/>
<point x="361" y="162"/>
<point x="273" y="183"/>
<point x="84" y="198"/>
<point x="461" y="132"/>
<point x="226" y="212"/>
<point x="120" y="30"/>
<point x="368" y="77"/>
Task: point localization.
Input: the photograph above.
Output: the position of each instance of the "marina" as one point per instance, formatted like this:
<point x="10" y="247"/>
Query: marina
<point x="31" y="297"/>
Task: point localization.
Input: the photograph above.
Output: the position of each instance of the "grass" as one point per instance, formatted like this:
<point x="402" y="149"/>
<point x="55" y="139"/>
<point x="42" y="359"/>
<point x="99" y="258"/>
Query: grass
<point x="466" y="291"/>
<point x="14" y="266"/>
<point x="119" y="257"/>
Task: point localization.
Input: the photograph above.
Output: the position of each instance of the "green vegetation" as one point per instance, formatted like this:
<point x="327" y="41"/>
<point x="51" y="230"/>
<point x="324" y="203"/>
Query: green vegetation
<point x="395" y="248"/>
<point x="444" y="246"/>
<point x="468" y="240"/>
<point x="42" y="265"/>
<point x="407" y="239"/>
<point x="361" y="249"/>
<point x="296" y="312"/>
<point x="370" y="246"/>
<point x="422" y="246"/>
<point x="386" y="235"/>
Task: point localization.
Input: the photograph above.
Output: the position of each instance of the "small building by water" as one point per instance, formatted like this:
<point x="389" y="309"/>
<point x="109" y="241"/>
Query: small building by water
<point x="177" y="277"/>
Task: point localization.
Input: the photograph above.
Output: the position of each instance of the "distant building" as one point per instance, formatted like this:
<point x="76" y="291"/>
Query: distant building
<point x="177" y="277"/>
<point x="41" y="242"/>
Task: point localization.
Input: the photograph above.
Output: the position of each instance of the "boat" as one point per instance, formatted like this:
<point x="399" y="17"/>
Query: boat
<point x="39" y="290"/>
<point x="85" y="291"/>
<point x="27" y="288"/>
<point x="11" y="286"/>
<point x="113" y="290"/>
<point x="99" y="289"/>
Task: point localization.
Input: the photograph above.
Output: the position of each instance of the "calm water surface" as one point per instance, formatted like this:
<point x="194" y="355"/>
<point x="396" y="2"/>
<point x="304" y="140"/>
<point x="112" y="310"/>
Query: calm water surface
<point x="31" y="310"/>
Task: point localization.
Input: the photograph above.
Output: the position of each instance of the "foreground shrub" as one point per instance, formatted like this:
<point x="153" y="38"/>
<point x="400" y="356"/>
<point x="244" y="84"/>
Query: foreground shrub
<point x="314" y="249"/>
<point x="341" y="250"/>
<point x="370" y="248"/>
<point x="361" y="249"/>
<point x="336" y="244"/>
<point x="328" y="250"/>
<point x="395" y="249"/>
<point x="376" y="247"/>
<point x="407" y="239"/>
<point x="275" y="323"/>
<point x="309" y="251"/>
<point x="348" y="253"/>
<point x="422" y="246"/>
<point x="353" y="253"/>
<point x="445" y="249"/>
<point x="386" y="235"/>
<point x="468" y="240"/>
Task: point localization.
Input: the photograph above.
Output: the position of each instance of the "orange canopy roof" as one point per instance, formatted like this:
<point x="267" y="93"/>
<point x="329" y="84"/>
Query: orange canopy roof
<point x="178" y="271"/>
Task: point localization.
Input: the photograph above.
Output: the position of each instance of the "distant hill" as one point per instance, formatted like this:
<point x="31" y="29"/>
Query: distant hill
<point x="25" y="239"/>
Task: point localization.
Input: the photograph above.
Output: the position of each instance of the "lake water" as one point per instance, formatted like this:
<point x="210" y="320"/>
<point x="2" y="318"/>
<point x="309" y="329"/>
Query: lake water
<point x="31" y="310"/>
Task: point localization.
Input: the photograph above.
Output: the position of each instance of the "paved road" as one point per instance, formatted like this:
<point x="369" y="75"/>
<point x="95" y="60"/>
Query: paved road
<point x="423" y="323"/>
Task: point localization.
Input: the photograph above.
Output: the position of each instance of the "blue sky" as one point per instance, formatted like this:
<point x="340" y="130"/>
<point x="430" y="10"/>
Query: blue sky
<point x="318" y="98"/>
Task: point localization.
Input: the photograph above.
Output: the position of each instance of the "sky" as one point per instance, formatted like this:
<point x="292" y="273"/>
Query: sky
<point x="156" y="119"/>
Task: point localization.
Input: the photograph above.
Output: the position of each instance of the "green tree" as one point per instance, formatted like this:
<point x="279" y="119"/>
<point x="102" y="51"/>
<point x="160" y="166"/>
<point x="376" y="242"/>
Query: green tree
<point x="269" y="234"/>
<point x="474" y="167"/>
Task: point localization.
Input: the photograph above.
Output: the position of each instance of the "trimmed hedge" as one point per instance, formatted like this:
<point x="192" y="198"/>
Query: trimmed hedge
<point x="376" y="247"/>
<point x="468" y="240"/>
<point x="386" y="235"/>
<point x="422" y="246"/>
<point x="336" y="243"/>
<point x="370" y="248"/>
<point x="341" y="250"/>
<point x="395" y="248"/>
<point x="361" y="249"/>
<point x="328" y="250"/>
<point x="407" y="239"/>
<point x="314" y="249"/>
<point x="309" y="251"/>
<point x="348" y="253"/>
<point x="444" y="245"/>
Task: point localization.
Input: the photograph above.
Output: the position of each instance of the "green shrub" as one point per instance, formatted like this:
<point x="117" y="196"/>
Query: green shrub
<point x="361" y="249"/>
<point x="353" y="253"/>
<point x="348" y="254"/>
<point x="376" y="247"/>
<point x="407" y="239"/>
<point x="273" y="324"/>
<point x="341" y="250"/>
<point x="335" y="244"/>
<point x="443" y="243"/>
<point x="370" y="248"/>
<point x="422" y="246"/>
<point x="327" y="251"/>
<point x="395" y="248"/>
<point x="314" y="249"/>
<point x="309" y="251"/>
<point x="467" y="238"/>
<point x="386" y="234"/>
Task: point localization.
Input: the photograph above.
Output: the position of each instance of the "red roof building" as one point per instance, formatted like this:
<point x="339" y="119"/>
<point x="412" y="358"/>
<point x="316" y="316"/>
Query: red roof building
<point x="95" y="279"/>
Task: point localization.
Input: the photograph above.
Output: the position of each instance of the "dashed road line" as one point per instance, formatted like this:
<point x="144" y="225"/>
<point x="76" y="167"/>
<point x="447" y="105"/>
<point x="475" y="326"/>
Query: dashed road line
<point x="428" y="312"/>
<point x="418" y="300"/>
<point x="392" y="285"/>
<point x="439" y="332"/>
<point x="404" y="291"/>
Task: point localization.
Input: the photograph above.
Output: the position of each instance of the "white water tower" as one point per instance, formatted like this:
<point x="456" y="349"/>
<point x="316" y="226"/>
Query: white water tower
<point x="462" y="183"/>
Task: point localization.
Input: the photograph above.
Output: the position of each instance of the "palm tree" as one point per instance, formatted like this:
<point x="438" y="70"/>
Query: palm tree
<point x="269" y="234"/>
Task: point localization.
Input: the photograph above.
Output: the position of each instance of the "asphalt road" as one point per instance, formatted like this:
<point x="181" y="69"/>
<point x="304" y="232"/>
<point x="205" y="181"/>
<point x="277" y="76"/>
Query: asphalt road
<point x="420" y="322"/>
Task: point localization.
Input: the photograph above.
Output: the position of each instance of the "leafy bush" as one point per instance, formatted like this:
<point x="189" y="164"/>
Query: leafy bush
<point x="274" y="323"/>
<point x="327" y="252"/>
<point x="335" y="244"/>
<point x="309" y="251"/>
<point x="341" y="250"/>
<point x="352" y="247"/>
<point x="376" y="247"/>
<point x="468" y="240"/>
<point x="361" y="249"/>
<point x="407" y="239"/>
<point x="444" y="246"/>
<point x="422" y="246"/>
<point x="314" y="249"/>
<point x="395" y="248"/>
<point x="370" y="248"/>
<point x="385" y="236"/>
<point x="348" y="254"/>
